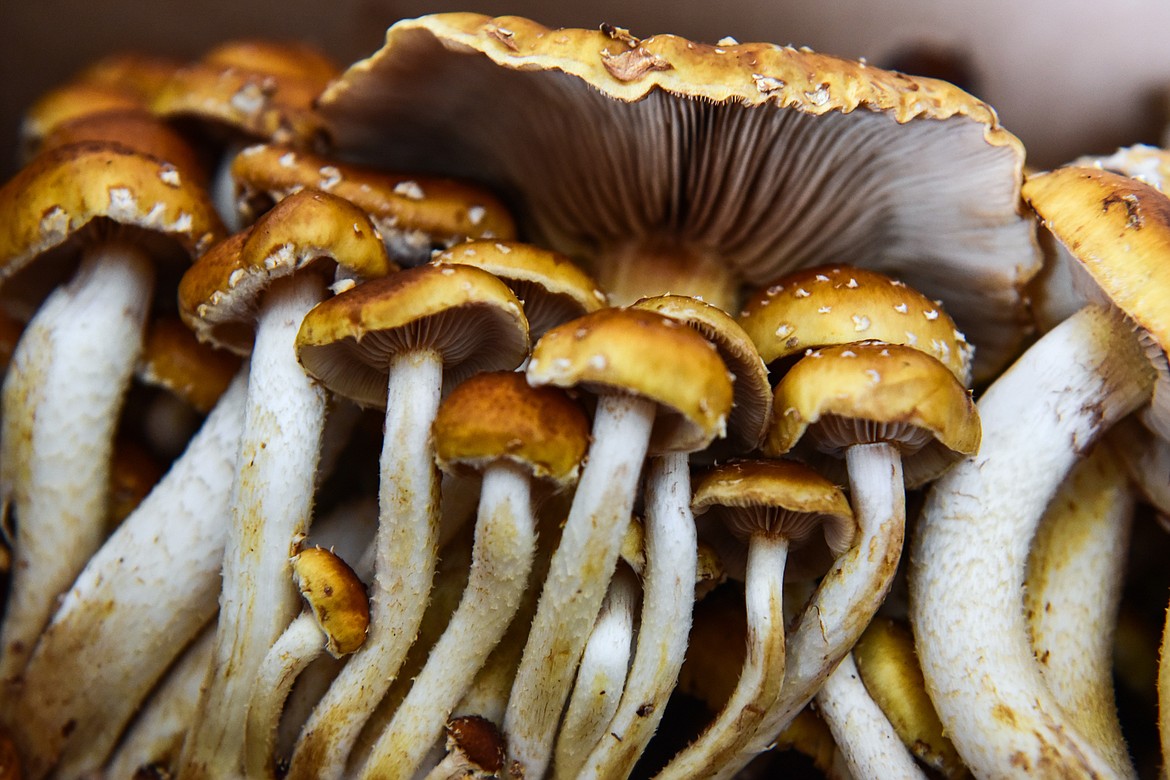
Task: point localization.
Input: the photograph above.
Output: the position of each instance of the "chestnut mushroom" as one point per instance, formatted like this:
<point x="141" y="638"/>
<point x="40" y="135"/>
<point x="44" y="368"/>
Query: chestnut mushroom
<point x="666" y="165"/>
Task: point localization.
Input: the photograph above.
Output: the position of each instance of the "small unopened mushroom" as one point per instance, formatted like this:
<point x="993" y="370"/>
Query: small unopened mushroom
<point x="337" y="607"/>
<point x="493" y="423"/>
<point x="475" y="751"/>
<point x="628" y="357"/>
<point x="394" y="342"/>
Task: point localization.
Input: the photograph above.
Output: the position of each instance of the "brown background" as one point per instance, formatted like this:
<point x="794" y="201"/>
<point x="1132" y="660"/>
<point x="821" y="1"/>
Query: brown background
<point x="1067" y="76"/>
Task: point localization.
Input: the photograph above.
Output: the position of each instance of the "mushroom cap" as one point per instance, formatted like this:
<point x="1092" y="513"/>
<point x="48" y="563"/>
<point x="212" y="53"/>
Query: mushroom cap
<point x="220" y="294"/>
<point x="553" y="288"/>
<point x="50" y="202"/>
<point x="71" y="101"/>
<point x="780" y="498"/>
<point x="498" y="415"/>
<point x="767" y="157"/>
<point x="1118" y="230"/>
<point x="467" y="315"/>
<point x="477" y="740"/>
<point x="258" y="89"/>
<point x="414" y="213"/>
<point x="139" y="73"/>
<point x="868" y="392"/>
<point x="336" y="596"/>
<point x="639" y="352"/>
<point x="1149" y="164"/>
<point x="837" y="304"/>
<point x="751" y="406"/>
<point x="172" y="358"/>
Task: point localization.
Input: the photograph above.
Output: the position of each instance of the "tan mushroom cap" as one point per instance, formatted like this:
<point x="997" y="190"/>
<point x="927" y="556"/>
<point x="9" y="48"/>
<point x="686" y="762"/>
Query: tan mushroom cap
<point x="172" y="358"/>
<point x="134" y="129"/>
<point x="262" y="90"/>
<point x="415" y="214"/>
<point x="1149" y="164"/>
<point x="837" y="304"/>
<point x="868" y="392"/>
<point x="781" y="498"/>
<point x="136" y="72"/>
<point x="50" y="202"/>
<point x="219" y="295"/>
<point x="498" y="415"/>
<point x="70" y="101"/>
<point x="1118" y="230"/>
<point x="638" y="352"/>
<point x="553" y="288"/>
<point x="907" y="175"/>
<point x="336" y="596"/>
<point x="468" y="316"/>
<point x="751" y="407"/>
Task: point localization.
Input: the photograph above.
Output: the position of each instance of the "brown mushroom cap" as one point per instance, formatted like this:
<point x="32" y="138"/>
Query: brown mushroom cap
<point x="1118" y="231"/>
<point x="766" y="157"/>
<point x="751" y="408"/>
<point x="836" y="304"/>
<point x="71" y="101"/>
<point x="632" y="351"/>
<point x="136" y="72"/>
<point x="172" y="358"/>
<point x="869" y="392"/>
<point x="467" y="315"/>
<point x="220" y="294"/>
<point x="414" y="213"/>
<point x="58" y="201"/>
<point x="336" y="596"/>
<point x="498" y="415"/>
<point x="553" y="288"/>
<point x="781" y="498"/>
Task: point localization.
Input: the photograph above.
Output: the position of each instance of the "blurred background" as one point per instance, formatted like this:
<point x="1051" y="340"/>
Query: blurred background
<point x="1069" y="77"/>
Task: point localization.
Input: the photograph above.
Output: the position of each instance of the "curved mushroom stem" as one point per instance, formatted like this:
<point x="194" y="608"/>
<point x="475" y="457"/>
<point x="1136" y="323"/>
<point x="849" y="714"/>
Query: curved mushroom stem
<point x="967" y="568"/>
<point x="601" y="677"/>
<point x="505" y="540"/>
<point x="155" y="737"/>
<point x="1082" y="538"/>
<point x="762" y="676"/>
<point x="61" y="401"/>
<point x="271" y="502"/>
<point x="667" y="600"/>
<point x="847" y="597"/>
<point x="156" y="579"/>
<point x="578" y="574"/>
<point x="407" y="548"/>
<point x="867" y="741"/>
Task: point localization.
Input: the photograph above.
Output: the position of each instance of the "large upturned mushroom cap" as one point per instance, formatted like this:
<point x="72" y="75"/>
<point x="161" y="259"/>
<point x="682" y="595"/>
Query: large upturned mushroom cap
<point x="753" y="157"/>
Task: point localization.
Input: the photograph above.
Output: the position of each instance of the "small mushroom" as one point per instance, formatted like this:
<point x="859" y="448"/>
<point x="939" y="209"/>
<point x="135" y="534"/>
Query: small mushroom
<point x="337" y="607"/>
<point x="475" y="751"/>
<point x="395" y="342"/>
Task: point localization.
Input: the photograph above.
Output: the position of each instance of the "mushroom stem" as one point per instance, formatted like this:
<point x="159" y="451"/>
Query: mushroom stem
<point x="635" y="271"/>
<point x="578" y="574"/>
<point x="667" y="599"/>
<point x="870" y="745"/>
<point x="505" y="540"/>
<point x="847" y="597"/>
<point x="1082" y="538"/>
<point x="271" y="501"/>
<point x="61" y="401"/>
<point x="601" y="677"/>
<point x="762" y="675"/>
<point x="407" y="548"/>
<point x="155" y="737"/>
<point x="156" y="579"/>
<point x="967" y="568"/>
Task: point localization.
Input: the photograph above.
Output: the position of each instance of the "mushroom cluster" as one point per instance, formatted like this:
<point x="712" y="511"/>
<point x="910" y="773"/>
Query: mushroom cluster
<point x="529" y="403"/>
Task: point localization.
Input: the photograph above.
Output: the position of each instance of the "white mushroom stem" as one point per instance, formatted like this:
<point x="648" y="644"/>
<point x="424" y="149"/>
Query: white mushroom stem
<point x="668" y="596"/>
<point x="870" y="745"/>
<point x="762" y="674"/>
<point x="407" y="548"/>
<point x="601" y="677"/>
<point x="156" y="579"/>
<point x="61" y="401"/>
<point x="847" y="597"/>
<point x="1082" y="538"/>
<point x="271" y="502"/>
<point x="155" y="737"/>
<point x="967" y="568"/>
<point x="505" y="541"/>
<point x="579" y="573"/>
